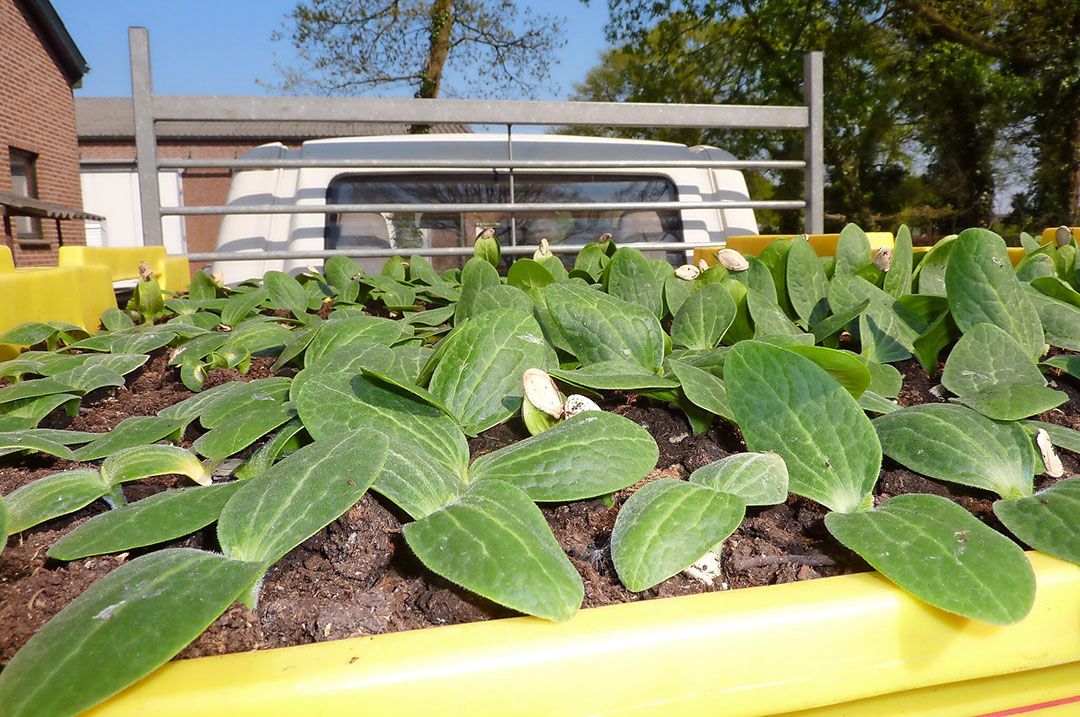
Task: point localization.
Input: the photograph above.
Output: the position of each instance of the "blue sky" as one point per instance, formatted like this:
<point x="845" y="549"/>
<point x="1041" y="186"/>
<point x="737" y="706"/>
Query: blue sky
<point x="223" y="46"/>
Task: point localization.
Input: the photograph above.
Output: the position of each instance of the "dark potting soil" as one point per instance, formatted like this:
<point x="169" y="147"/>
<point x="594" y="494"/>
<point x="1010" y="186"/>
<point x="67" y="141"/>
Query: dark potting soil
<point x="357" y="577"/>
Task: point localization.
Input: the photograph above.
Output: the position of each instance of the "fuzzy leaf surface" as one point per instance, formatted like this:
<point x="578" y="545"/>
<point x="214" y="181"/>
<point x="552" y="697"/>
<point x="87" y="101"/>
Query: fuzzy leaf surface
<point x="613" y="376"/>
<point x="987" y="356"/>
<point x="632" y="279"/>
<point x="942" y="554"/>
<point x="667" y="525"/>
<point x="756" y="478"/>
<point x="121" y="629"/>
<point x="786" y="403"/>
<point x="702" y="389"/>
<point x="599" y="327"/>
<point x="495" y="542"/>
<point x="1048" y="520"/>
<point x="955" y="444"/>
<point x="703" y="318"/>
<point x="1014" y="401"/>
<point x="155" y="460"/>
<point x="590" y="454"/>
<point x="807" y="285"/>
<point x="52" y="496"/>
<point x="134" y="431"/>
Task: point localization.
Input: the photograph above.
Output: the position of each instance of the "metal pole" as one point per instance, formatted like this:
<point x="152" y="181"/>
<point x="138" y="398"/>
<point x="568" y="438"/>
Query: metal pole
<point x="814" y="143"/>
<point x="510" y="158"/>
<point x="145" y="141"/>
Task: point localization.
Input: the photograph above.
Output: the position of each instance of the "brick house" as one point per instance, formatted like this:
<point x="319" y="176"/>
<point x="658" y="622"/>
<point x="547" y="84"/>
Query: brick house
<point x="106" y="136"/>
<point x="40" y="195"/>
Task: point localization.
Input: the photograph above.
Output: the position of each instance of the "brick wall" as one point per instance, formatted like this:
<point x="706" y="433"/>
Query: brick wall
<point x="199" y="186"/>
<point x="37" y="114"/>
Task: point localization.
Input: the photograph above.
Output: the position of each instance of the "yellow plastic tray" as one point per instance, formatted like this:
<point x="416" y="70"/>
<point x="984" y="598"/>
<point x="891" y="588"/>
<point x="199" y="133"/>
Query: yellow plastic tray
<point x="757" y="651"/>
<point x="171" y="272"/>
<point x="823" y="244"/>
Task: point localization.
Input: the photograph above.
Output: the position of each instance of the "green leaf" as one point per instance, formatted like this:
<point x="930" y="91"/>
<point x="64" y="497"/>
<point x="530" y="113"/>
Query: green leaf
<point x="1060" y="321"/>
<point x="3" y="524"/>
<point x="227" y="394"/>
<point x="1048" y="520"/>
<point x="156" y="460"/>
<point x="775" y="257"/>
<point x="164" y="516"/>
<point x="239" y="306"/>
<point x="501" y="296"/>
<point x="756" y="478"/>
<point x="228" y="437"/>
<point x="528" y="274"/>
<point x="940" y="553"/>
<point x="591" y="259"/>
<point x="982" y="288"/>
<point x="27" y="413"/>
<point x="275" y="511"/>
<point x="631" y="278"/>
<point x="487" y="248"/>
<point x="283" y="442"/>
<point x="478" y="379"/>
<point x="599" y="327"/>
<point x="475" y="277"/>
<point x="768" y="318"/>
<point x="832" y="325"/>
<point x="898" y="277"/>
<point x="409" y="361"/>
<point x="852" y="250"/>
<point x="202" y="286"/>
<point x="613" y="376"/>
<point x="128" y="342"/>
<point x="1055" y="288"/>
<point x="121" y="629"/>
<point x="702" y="389"/>
<point x="591" y="454"/>
<point x="134" y="431"/>
<point x="987" y="356"/>
<point x="807" y="285"/>
<point x="845" y="367"/>
<point x="257" y="337"/>
<point x="676" y="292"/>
<point x="1070" y="364"/>
<point x="34" y="388"/>
<point x="667" y="525"/>
<point x="421" y="270"/>
<point x="931" y="341"/>
<point x="886" y="334"/>
<point x="333" y="403"/>
<point x="885" y="380"/>
<point x="788" y="404"/>
<point x="703" y="318"/>
<point x="52" y="496"/>
<point x="1029" y="243"/>
<point x="18" y="441"/>
<point x="116" y="320"/>
<point x="285" y="292"/>
<point x="1011" y="402"/>
<point x="28" y="334"/>
<point x="336" y="334"/>
<point x="931" y="270"/>
<point x="495" y="542"/>
<point x="955" y="444"/>
<point x="1035" y="266"/>
<point x="876" y="403"/>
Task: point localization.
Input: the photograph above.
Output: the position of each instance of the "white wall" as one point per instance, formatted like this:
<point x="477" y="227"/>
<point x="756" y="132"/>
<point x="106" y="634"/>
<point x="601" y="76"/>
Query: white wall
<point x="114" y="194"/>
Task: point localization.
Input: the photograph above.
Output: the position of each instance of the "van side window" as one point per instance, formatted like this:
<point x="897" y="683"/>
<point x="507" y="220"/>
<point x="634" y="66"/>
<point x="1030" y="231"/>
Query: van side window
<point x="459" y="229"/>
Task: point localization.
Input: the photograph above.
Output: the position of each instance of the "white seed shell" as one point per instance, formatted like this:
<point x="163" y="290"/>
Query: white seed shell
<point x="732" y="260"/>
<point x="688" y="272"/>
<point x="883" y="258"/>
<point x="706" y="569"/>
<point x="576" y="403"/>
<point x="542" y="392"/>
<point x="544" y="251"/>
<point x="1054" y="469"/>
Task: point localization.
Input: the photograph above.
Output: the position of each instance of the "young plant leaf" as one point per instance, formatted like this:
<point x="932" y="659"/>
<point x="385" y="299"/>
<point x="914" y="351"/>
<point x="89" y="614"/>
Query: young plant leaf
<point x="478" y="379"/>
<point x="807" y="285"/>
<point x="930" y="273"/>
<point x="955" y="444"/>
<point x="847" y="368"/>
<point x="942" y="554"/>
<point x="1060" y="321"/>
<point x="1070" y="364"/>
<point x="631" y="278"/>
<point x="599" y="327"/>
<point x="665" y="526"/>
<point x="285" y="441"/>
<point x="27" y="413"/>
<point x="613" y="376"/>
<point x="52" y="496"/>
<point x="876" y="403"/>
<point x="676" y="291"/>
<point x="501" y="296"/>
<point x="769" y="320"/>
<point x="1048" y="521"/>
<point x="34" y="388"/>
<point x="495" y="542"/>
<point x="703" y="318"/>
<point x="982" y="288"/>
<point x="756" y="478"/>
<point x="229" y="437"/>
<point x="834" y="324"/>
<point x="18" y="441"/>
<point x="135" y="341"/>
<point x="336" y="334"/>
<point x="590" y="454"/>
<point x="156" y="460"/>
<point x="275" y="511"/>
<point x="475" y="277"/>
<point x="165" y="516"/>
<point x="786" y="403"/>
<point x="227" y="396"/>
<point x="1011" y="402"/>
<point x="852" y="250"/>
<point x="988" y="356"/>
<point x="4" y="523"/>
<point x="240" y="306"/>
<point x="285" y="292"/>
<point x="886" y="334"/>
<point x="334" y="403"/>
<point x="898" y="277"/>
<point x="702" y="389"/>
<point x="1060" y="436"/>
<point x="134" y="431"/>
<point x="121" y="629"/>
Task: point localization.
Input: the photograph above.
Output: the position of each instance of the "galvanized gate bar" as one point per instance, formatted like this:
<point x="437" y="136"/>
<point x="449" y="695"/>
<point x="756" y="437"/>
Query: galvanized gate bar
<point x="369" y="253"/>
<point x="435" y="163"/>
<point x="199" y="108"/>
<point x="516" y="208"/>
<point x="814" y="142"/>
<point x="145" y="140"/>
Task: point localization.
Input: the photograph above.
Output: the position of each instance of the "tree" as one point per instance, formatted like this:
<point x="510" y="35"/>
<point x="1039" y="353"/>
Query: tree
<point x="352" y="47"/>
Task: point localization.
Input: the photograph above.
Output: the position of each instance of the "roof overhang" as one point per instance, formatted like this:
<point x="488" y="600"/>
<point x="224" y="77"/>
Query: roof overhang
<point x="15" y="205"/>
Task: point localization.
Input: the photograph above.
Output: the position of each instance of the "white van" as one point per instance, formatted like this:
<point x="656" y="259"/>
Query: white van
<point x="315" y="186"/>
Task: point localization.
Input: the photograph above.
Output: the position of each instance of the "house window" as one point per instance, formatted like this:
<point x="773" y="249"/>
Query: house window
<point x="24" y="183"/>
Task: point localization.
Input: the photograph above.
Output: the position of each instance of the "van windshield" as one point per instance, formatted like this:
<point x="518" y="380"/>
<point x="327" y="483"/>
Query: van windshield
<point x="457" y="229"/>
